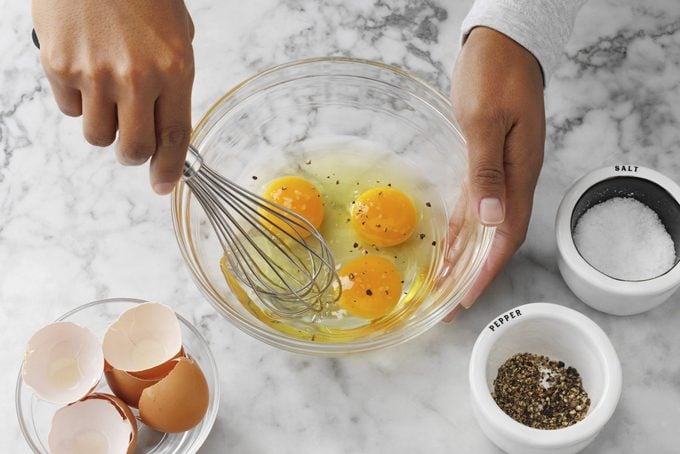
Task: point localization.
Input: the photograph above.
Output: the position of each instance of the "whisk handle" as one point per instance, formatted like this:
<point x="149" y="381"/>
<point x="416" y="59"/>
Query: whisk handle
<point x="36" y="41"/>
<point x="193" y="163"/>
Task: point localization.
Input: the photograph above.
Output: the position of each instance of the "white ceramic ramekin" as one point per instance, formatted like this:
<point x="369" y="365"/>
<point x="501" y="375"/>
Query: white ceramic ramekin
<point x="561" y="334"/>
<point x="602" y="292"/>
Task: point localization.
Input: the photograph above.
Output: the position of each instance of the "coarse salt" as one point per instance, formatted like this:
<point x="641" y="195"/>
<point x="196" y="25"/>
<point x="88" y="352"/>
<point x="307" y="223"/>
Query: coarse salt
<point x="624" y="239"/>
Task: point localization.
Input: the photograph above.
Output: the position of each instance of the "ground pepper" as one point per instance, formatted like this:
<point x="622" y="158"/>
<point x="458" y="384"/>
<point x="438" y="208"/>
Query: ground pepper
<point x="539" y="392"/>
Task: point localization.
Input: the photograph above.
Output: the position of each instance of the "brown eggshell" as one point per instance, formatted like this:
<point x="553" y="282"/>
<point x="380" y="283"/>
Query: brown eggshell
<point x="125" y="412"/>
<point x="178" y="402"/>
<point x="160" y="371"/>
<point x="142" y="338"/>
<point x="129" y="386"/>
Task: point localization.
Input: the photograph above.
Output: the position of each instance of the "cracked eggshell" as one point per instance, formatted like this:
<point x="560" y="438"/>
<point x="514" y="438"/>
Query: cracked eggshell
<point x="143" y="338"/>
<point x="179" y="401"/>
<point x="160" y="371"/>
<point x="63" y="362"/>
<point x="124" y="411"/>
<point x="129" y="386"/>
<point x="100" y="423"/>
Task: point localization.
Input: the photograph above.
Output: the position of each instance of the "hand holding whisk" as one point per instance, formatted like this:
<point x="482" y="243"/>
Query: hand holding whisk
<point x="272" y="250"/>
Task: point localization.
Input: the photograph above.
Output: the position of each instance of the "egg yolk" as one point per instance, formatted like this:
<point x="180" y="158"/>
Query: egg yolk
<point x="384" y="216"/>
<point x="298" y="195"/>
<point x="371" y="287"/>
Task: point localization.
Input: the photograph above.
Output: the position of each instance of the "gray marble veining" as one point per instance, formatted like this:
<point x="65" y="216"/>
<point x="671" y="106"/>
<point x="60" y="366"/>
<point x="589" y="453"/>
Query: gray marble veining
<point x="75" y="226"/>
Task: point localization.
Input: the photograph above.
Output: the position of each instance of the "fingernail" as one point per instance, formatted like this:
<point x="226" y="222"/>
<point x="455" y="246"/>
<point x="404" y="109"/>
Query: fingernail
<point x="163" y="188"/>
<point x="491" y="211"/>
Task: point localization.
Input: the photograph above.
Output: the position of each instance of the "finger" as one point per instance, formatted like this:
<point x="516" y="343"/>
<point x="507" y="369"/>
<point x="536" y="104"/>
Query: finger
<point x="459" y="226"/>
<point x="173" y="130"/>
<point x="190" y="24"/>
<point x="524" y="151"/>
<point x="502" y="250"/>
<point x="99" y="118"/>
<point x="68" y="99"/>
<point x="192" y="28"/>
<point x="485" y="143"/>
<point x="137" y="130"/>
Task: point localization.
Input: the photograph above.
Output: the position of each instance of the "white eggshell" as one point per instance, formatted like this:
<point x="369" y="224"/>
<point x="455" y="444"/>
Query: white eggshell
<point x="92" y="426"/>
<point x="63" y="362"/>
<point x="143" y="337"/>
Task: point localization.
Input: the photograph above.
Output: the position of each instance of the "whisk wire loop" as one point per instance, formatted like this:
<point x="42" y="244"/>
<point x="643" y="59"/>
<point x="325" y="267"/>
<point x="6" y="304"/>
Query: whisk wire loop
<point x="272" y="250"/>
<point x="247" y="269"/>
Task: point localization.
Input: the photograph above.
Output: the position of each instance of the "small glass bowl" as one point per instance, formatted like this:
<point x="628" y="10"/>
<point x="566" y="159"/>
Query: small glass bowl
<point x="274" y="115"/>
<point x="35" y="415"/>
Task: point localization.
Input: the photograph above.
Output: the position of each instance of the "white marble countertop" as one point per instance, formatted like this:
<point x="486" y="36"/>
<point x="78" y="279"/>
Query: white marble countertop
<point x="75" y="226"/>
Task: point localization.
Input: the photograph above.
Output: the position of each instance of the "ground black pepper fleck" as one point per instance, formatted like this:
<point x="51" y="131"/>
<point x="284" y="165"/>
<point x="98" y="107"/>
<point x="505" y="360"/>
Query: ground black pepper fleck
<point x="539" y="392"/>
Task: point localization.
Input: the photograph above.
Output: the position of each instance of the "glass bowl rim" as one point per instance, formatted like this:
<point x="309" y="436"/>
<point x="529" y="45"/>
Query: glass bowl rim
<point x="289" y="343"/>
<point x="212" y="415"/>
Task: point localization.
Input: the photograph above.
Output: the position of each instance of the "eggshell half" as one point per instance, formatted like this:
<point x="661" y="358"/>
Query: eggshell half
<point x="129" y="386"/>
<point x="125" y="412"/>
<point x="63" y="362"/>
<point x="178" y="402"/>
<point x="90" y="426"/>
<point x="142" y="338"/>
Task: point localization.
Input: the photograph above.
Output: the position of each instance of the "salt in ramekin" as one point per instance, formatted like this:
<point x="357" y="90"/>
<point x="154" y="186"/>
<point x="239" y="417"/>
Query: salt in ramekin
<point x="593" y="287"/>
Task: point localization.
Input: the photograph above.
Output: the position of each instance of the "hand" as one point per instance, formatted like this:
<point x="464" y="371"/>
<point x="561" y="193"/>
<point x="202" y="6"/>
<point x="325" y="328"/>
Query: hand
<point x="497" y="96"/>
<point x="126" y="66"/>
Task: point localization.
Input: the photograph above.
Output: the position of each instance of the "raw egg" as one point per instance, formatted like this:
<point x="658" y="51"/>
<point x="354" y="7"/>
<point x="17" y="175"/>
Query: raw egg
<point x="384" y="216"/>
<point x="371" y="286"/>
<point x="63" y="362"/>
<point x="299" y="196"/>
<point x="100" y="423"/>
<point x="375" y="204"/>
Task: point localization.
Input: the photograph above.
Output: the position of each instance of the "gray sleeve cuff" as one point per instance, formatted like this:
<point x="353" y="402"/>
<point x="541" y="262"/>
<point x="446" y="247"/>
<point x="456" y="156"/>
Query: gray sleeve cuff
<point x="542" y="27"/>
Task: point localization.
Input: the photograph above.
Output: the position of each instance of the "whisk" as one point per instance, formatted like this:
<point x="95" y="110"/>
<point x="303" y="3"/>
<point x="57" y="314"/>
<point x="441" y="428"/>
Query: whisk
<point x="274" y="251"/>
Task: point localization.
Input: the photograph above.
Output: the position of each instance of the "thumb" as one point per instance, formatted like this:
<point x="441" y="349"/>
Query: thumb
<point x="486" y="173"/>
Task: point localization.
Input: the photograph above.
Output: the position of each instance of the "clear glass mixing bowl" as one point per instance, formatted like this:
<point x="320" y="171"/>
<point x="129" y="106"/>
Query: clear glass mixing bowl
<point x="35" y="415"/>
<point x="280" y="111"/>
